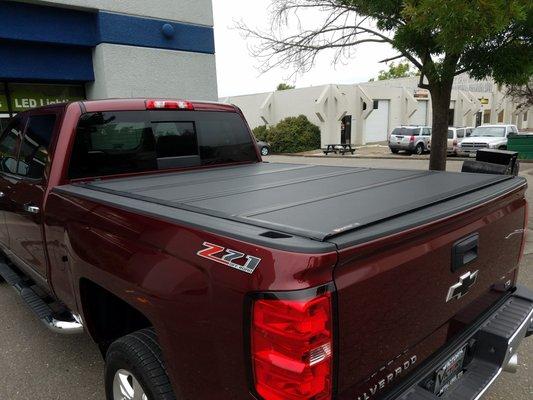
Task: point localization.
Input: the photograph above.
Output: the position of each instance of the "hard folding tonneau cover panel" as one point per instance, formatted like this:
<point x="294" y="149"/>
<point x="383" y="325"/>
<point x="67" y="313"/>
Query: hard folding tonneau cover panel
<point x="317" y="202"/>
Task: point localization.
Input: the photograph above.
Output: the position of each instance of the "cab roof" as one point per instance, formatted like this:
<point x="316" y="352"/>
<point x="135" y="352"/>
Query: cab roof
<point x="139" y="104"/>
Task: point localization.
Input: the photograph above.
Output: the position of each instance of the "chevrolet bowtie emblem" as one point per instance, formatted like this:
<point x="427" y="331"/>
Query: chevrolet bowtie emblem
<point x="460" y="289"/>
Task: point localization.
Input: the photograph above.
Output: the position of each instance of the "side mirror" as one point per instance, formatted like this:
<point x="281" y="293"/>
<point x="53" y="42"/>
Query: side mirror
<point x="8" y="164"/>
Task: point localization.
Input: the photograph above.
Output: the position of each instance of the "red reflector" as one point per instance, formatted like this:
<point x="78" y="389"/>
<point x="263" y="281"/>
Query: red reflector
<point x="292" y="348"/>
<point x="169" y="105"/>
<point x="412" y="139"/>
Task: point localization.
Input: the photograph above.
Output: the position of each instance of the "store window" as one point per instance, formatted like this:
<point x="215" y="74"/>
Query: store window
<point x="486" y="117"/>
<point x="17" y="97"/>
<point x="4" y="109"/>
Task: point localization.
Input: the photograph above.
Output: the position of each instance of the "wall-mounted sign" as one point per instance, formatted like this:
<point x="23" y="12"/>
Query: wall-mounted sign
<point x="484" y="101"/>
<point x="421" y="94"/>
<point x="24" y="96"/>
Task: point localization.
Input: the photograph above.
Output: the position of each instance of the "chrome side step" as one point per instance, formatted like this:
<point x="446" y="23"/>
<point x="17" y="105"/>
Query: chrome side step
<point x="62" y="321"/>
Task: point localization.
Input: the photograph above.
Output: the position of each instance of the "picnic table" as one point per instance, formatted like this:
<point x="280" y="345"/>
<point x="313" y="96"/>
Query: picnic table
<point x="341" y="148"/>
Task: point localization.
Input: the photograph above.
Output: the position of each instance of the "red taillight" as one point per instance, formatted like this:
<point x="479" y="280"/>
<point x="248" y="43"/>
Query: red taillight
<point x="412" y="139"/>
<point x="291" y="348"/>
<point x="169" y="105"/>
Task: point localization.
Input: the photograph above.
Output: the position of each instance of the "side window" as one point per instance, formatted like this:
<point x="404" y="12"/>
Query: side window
<point x="9" y="145"/>
<point x="460" y="133"/>
<point x="33" y="156"/>
<point x="224" y="138"/>
<point x="426" y="132"/>
<point x="469" y="132"/>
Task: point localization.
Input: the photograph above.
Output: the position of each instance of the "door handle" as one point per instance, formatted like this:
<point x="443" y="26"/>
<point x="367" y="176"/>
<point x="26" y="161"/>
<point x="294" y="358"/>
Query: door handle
<point x="465" y="251"/>
<point x="30" y="208"/>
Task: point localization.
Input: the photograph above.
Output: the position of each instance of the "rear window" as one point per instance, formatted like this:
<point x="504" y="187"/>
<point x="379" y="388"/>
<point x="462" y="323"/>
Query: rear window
<point x="406" y="131"/>
<point x="110" y="143"/>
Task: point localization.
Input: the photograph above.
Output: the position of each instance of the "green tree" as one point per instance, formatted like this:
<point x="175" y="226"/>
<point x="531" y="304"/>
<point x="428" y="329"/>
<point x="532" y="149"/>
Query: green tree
<point x="521" y="95"/>
<point x="442" y="39"/>
<point x="284" y="86"/>
<point x="400" y="70"/>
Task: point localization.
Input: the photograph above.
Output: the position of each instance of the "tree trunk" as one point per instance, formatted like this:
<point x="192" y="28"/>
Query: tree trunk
<point x="440" y="96"/>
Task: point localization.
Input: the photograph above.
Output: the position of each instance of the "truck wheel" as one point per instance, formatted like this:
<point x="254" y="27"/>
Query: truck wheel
<point x="265" y="151"/>
<point x="394" y="151"/>
<point x="134" y="369"/>
<point x="419" y="149"/>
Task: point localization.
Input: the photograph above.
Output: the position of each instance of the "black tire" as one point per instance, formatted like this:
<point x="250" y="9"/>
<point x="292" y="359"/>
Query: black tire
<point x="265" y="151"/>
<point x="394" y="151"/>
<point x="419" y="149"/>
<point x="140" y="354"/>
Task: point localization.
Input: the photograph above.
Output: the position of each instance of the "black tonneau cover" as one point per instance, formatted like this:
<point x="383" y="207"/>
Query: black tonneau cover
<point x="317" y="202"/>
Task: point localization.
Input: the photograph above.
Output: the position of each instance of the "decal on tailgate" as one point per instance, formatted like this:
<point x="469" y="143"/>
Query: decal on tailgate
<point x="228" y="257"/>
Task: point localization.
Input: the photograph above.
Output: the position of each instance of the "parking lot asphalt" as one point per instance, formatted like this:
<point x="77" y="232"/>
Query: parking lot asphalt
<point x="38" y="364"/>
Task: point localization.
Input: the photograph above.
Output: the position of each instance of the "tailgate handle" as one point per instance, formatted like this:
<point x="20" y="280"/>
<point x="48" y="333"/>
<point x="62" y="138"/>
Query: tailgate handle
<point x="465" y="251"/>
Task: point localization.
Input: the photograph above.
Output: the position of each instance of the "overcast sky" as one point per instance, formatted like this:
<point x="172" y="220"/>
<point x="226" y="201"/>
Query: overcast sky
<point x="237" y="70"/>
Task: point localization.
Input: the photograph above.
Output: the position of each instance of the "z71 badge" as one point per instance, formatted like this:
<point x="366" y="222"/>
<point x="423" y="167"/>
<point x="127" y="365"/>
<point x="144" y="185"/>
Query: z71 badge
<point x="228" y="257"/>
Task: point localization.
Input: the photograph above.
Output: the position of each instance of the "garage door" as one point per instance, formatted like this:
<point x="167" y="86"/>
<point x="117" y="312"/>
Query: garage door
<point x="420" y="117"/>
<point x="377" y="123"/>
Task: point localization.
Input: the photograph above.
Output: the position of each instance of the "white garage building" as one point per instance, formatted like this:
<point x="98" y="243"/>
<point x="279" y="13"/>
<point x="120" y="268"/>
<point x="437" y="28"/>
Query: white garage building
<point x="367" y="112"/>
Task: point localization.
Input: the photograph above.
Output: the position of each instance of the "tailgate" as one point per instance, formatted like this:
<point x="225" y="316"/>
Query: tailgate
<point x="401" y="298"/>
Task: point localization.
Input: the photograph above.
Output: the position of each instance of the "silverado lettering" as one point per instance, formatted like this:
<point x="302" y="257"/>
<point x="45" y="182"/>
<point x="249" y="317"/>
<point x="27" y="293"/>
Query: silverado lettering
<point x="141" y="212"/>
<point x="388" y="379"/>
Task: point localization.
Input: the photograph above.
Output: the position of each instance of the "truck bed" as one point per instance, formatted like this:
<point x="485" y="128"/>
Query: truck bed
<point x="315" y="202"/>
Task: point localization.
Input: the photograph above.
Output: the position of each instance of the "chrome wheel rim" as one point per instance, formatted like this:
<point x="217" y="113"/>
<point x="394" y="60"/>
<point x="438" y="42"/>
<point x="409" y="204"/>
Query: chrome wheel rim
<point x="264" y="151"/>
<point x="127" y="387"/>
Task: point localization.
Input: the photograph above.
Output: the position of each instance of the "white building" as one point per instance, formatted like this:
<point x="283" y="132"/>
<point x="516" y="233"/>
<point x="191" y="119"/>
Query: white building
<point x="367" y="112"/>
<point x="56" y="50"/>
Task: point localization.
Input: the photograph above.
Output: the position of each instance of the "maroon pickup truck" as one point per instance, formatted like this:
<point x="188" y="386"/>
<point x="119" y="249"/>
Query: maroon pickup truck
<point x="204" y="273"/>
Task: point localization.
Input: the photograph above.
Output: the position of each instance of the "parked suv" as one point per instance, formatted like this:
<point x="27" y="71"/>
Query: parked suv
<point x="413" y="139"/>
<point x="456" y="136"/>
<point x="487" y="137"/>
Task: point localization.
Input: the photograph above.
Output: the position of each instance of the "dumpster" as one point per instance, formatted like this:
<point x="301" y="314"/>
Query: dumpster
<point x="523" y="144"/>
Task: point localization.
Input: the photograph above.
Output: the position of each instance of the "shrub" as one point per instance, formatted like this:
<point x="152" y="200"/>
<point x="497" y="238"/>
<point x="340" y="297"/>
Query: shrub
<point x="293" y="135"/>
<point x="260" y="133"/>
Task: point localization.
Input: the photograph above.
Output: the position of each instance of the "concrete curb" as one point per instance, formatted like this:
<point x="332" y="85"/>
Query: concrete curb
<point x="363" y="157"/>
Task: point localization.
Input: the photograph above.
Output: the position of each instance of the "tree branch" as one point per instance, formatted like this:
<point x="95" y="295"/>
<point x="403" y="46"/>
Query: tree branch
<point x="341" y="31"/>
